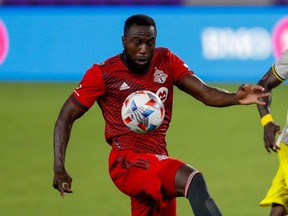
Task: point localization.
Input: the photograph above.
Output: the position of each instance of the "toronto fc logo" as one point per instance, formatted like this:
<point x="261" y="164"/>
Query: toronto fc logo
<point x="159" y="76"/>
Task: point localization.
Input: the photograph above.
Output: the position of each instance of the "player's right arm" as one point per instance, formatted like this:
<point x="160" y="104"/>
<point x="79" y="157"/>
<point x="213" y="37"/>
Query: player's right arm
<point x="62" y="130"/>
<point x="83" y="97"/>
<point x="269" y="81"/>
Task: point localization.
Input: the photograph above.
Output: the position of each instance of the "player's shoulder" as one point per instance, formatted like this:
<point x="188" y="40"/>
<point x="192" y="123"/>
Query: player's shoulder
<point x="165" y="54"/>
<point x="163" y="50"/>
<point x="112" y="62"/>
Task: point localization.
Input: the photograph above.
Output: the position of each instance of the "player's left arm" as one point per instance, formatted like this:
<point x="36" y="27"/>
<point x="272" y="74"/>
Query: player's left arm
<point x="213" y="96"/>
<point x="269" y="81"/>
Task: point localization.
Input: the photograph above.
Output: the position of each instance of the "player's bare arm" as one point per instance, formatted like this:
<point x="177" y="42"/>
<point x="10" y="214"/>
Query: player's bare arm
<point x="212" y="96"/>
<point x="68" y="114"/>
<point x="269" y="81"/>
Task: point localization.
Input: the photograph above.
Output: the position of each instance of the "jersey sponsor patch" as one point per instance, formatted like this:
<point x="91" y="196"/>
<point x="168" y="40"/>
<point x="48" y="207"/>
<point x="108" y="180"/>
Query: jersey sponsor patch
<point x="162" y="94"/>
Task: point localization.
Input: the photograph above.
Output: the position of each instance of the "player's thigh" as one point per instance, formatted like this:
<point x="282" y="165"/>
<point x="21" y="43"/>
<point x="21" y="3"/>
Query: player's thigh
<point x="145" y="206"/>
<point x="135" y="173"/>
<point x="129" y="171"/>
<point x="283" y="161"/>
<point x="277" y="193"/>
<point x="170" y="208"/>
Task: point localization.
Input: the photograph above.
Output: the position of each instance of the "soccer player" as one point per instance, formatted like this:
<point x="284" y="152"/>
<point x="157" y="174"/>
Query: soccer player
<point x="139" y="164"/>
<point x="277" y="195"/>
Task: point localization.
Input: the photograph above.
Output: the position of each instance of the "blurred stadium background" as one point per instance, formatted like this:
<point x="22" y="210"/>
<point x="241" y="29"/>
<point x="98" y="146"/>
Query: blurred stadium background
<point x="144" y="2"/>
<point x="47" y="45"/>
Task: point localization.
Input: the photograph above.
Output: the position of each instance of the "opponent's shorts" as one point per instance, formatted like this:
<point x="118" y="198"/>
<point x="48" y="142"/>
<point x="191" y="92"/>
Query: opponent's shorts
<point x="278" y="192"/>
<point x="149" y="179"/>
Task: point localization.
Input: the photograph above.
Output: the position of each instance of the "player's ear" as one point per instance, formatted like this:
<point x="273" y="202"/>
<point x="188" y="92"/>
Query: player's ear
<point x="123" y="41"/>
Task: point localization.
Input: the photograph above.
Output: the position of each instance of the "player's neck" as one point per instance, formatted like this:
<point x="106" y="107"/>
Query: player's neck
<point x="132" y="66"/>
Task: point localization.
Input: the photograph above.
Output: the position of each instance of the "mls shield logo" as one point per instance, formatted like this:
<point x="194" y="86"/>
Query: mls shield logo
<point x="160" y="76"/>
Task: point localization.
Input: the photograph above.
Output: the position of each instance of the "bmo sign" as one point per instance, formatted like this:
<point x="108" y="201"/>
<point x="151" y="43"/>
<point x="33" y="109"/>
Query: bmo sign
<point x="4" y="42"/>
<point x="242" y="44"/>
<point x="254" y="43"/>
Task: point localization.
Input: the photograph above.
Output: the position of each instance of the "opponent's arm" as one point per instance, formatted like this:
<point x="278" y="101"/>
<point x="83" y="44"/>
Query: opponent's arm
<point x="269" y="81"/>
<point x="212" y="96"/>
<point x="62" y="130"/>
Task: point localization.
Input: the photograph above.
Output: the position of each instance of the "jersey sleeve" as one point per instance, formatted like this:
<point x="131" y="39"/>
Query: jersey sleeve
<point x="89" y="89"/>
<point x="179" y="67"/>
<point x="280" y="68"/>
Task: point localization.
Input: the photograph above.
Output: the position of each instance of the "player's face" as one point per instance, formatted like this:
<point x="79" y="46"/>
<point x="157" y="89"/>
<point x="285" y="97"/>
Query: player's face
<point x="139" y="45"/>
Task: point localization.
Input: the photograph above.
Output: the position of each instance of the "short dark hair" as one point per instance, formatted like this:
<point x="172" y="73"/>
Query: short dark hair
<point x="139" y="19"/>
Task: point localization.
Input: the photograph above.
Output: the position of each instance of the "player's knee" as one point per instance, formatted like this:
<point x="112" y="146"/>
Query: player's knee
<point x="196" y="185"/>
<point x="183" y="178"/>
<point x="199" y="197"/>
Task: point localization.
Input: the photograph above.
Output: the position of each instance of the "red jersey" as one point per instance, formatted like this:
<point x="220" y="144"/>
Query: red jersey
<point x="111" y="82"/>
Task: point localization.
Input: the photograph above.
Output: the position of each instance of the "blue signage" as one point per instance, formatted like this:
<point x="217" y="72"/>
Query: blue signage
<point x="220" y="44"/>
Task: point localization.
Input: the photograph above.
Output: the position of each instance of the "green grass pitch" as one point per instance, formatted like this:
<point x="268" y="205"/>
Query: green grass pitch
<point x="225" y="144"/>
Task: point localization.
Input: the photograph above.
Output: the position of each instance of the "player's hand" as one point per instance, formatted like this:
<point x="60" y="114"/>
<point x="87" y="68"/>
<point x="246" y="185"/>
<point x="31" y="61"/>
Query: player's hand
<point x="250" y="94"/>
<point x="270" y="131"/>
<point x="62" y="182"/>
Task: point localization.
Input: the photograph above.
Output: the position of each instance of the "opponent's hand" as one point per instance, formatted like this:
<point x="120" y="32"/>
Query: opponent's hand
<point x="270" y="131"/>
<point x="250" y="94"/>
<point x="62" y="182"/>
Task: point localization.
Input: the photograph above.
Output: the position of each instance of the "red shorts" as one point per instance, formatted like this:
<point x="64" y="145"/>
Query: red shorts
<point x="149" y="179"/>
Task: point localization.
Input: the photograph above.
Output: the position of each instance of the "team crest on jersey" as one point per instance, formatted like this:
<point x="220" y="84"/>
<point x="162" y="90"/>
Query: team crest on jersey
<point x="159" y="76"/>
